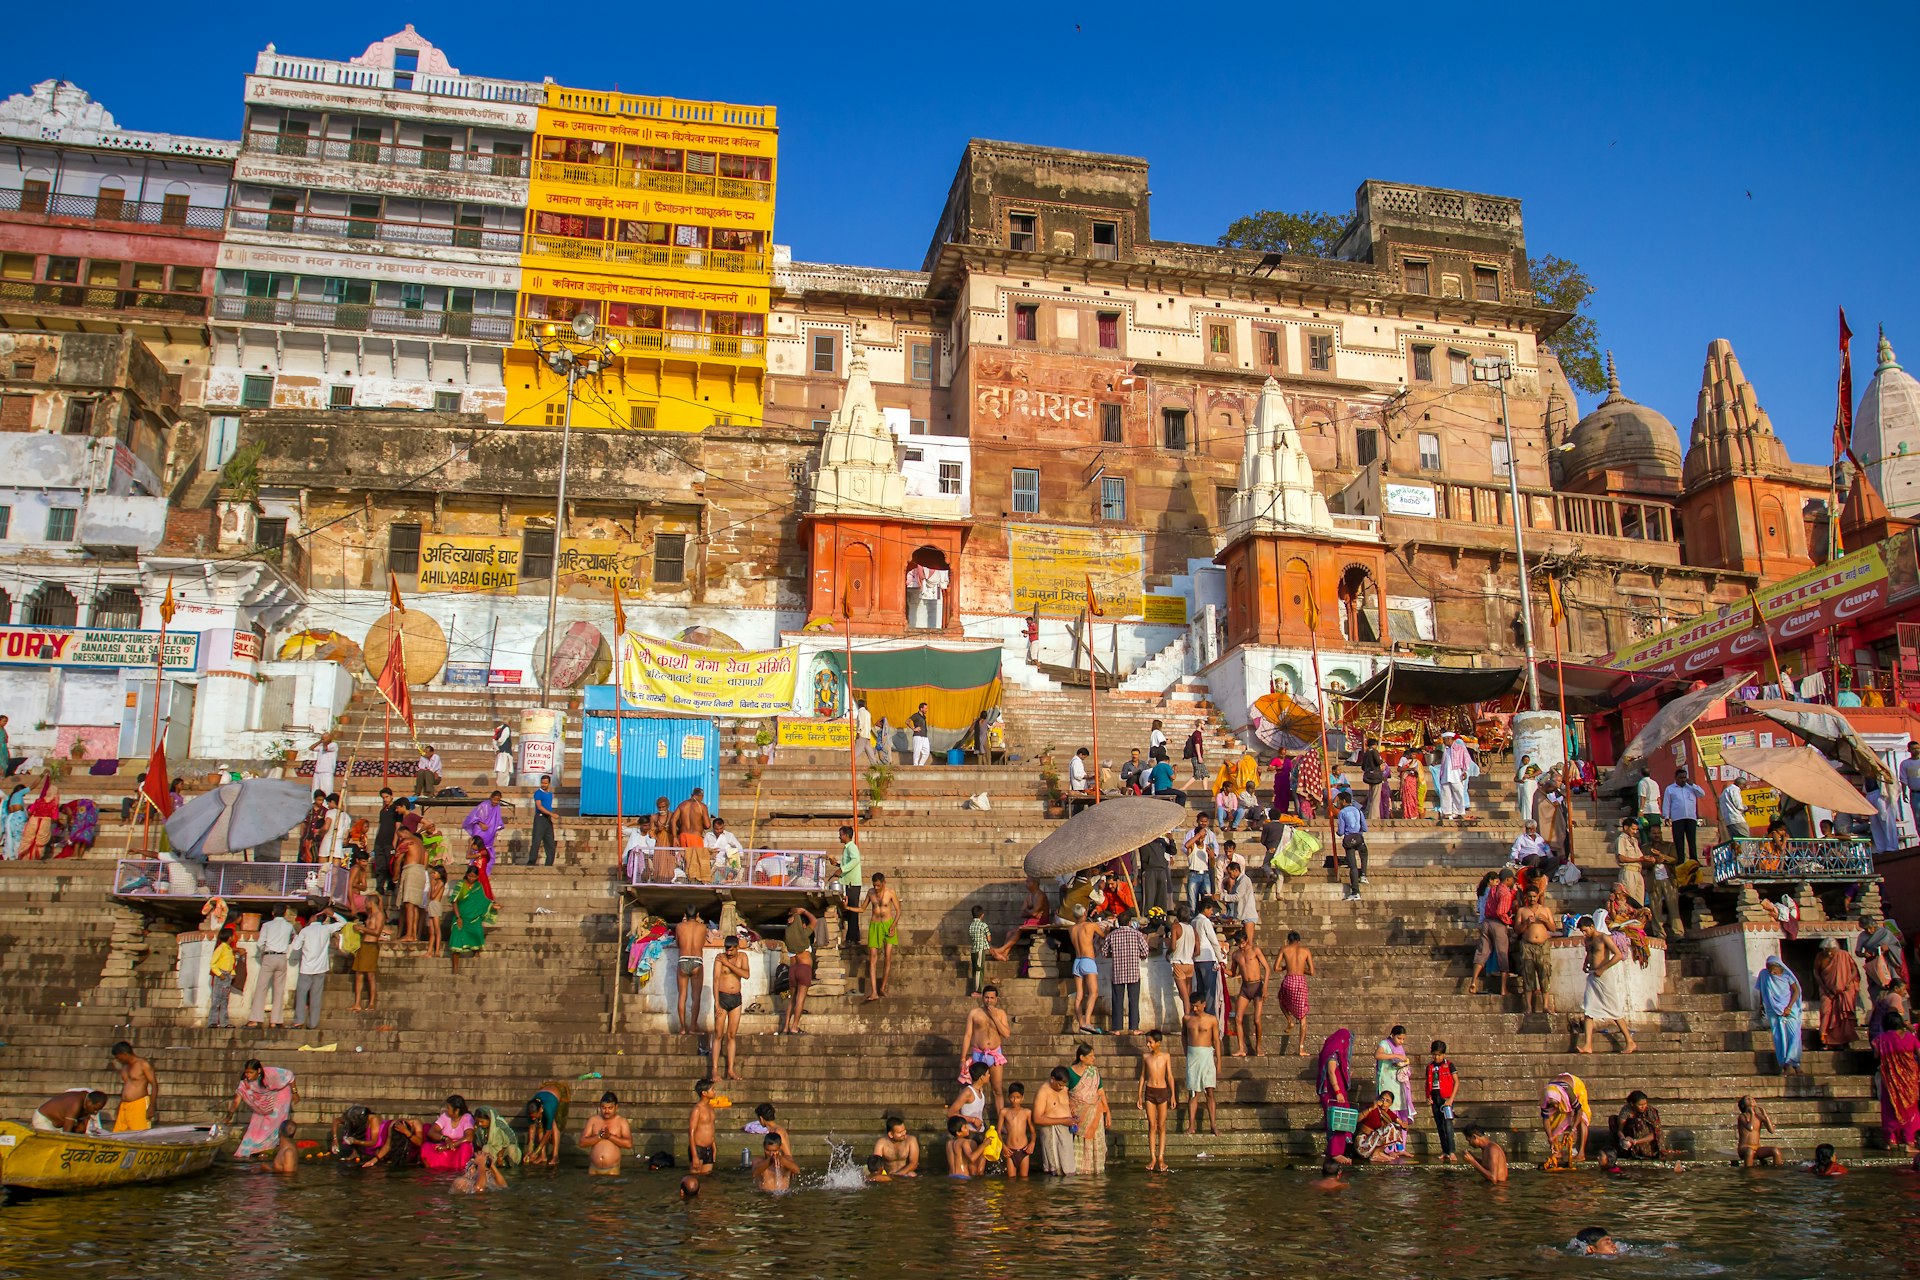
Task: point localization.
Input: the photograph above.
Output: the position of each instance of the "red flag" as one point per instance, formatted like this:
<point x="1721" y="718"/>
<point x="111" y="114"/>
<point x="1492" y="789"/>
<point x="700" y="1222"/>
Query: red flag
<point x="393" y="676"/>
<point x="155" y="788"/>
<point x="1843" y="412"/>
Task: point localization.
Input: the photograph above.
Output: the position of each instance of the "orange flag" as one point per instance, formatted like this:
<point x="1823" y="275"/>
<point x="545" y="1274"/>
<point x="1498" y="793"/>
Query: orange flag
<point x="167" y="608"/>
<point x="1312" y="610"/>
<point x="1093" y="601"/>
<point x="619" y="611"/>
<point x="392" y="681"/>
<point x="1553" y="598"/>
<point x="393" y="593"/>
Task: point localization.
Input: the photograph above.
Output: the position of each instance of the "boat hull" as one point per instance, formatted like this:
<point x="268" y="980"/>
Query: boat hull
<point x="31" y="1160"/>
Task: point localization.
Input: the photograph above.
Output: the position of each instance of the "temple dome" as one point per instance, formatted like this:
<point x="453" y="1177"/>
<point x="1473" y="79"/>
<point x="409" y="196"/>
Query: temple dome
<point x="1886" y="431"/>
<point x="1623" y="435"/>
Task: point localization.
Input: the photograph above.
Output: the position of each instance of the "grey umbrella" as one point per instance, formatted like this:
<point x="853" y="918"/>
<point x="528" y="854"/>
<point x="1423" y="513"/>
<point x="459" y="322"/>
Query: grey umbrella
<point x="1675" y="719"/>
<point x="236" y="816"/>
<point x="1102" y="832"/>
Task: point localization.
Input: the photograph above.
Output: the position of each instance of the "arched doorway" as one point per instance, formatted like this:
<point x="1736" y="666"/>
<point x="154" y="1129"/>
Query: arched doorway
<point x="928" y="579"/>
<point x="1359" y="605"/>
<point x="856" y="582"/>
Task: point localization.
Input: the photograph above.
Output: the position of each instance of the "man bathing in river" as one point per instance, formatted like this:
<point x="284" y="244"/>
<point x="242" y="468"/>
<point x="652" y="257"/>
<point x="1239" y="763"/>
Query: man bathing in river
<point x="729" y="967"/>
<point x="898" y="1149"/>
<point x="286" y="1155"/>
<point x="606" y="1137"/>
<point x="984" y="1043"/>
<point x="774" y="1170"/>
<point x="1484" y="1154"/>
<point x="1752" y="1122"/>
<point x="701" y="1139"/>
<point x="965" y="1151"/>
<point x="1201" y="1031"/>
<point x="1016" y="1131"/>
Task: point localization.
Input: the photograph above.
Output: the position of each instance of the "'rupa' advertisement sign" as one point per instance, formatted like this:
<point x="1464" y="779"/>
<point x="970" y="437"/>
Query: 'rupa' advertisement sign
<point x="95" y="647"/>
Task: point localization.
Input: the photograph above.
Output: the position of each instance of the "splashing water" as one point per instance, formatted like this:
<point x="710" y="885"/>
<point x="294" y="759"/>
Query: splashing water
<point x="843" y="1173"/>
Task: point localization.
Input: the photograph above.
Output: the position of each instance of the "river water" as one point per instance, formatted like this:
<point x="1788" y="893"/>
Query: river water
<point x="328" y="1221"/>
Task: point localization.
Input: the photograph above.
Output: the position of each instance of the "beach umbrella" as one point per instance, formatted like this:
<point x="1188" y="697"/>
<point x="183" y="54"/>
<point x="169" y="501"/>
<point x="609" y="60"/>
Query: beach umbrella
<point x="1675" y="719"/>
<point x="325" y="646"/>
<point x="1102" y="832"/>
<point x="1290" y="723"/>
<point x="237" y="816"/>
<point x="1827" y="729"/>
<point x="1802" y="773"/>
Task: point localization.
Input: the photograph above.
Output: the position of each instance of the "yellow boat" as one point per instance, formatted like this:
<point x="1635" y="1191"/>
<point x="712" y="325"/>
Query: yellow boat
<point x="34" y="1160"/>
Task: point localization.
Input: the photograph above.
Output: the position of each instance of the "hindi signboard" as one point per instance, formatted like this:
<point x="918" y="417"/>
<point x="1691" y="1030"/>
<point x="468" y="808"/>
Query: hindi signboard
<point x="655" y="675"/>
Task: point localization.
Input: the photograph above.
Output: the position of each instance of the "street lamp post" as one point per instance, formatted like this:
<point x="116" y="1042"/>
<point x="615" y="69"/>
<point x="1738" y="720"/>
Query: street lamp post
<point x="1497" y="369"/>
<point x="574" y="353"/>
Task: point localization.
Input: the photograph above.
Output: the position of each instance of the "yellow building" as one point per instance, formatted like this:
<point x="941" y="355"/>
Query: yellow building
<point x="655" y="216"/>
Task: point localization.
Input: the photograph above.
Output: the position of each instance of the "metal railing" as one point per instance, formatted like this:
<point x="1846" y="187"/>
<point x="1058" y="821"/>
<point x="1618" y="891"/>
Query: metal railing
<point x="667" y="342"/>
<point x="339" y="226"/>
<point x="106" y="208"/>
<point x="626" y="253"/>
<point x="398" y="155"/>
<point x="623" y="175"/>
<point x="357" y="317"/>
<point x="234" y="881"/>
<point x="757" y="869"/>
<point x="100" y="297"/>
<point x="1758" y="859"/>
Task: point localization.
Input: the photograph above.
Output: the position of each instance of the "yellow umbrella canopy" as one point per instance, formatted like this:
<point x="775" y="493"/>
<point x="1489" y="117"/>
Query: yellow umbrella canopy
<point x="1290" y="722"/>
<point x="322" y="645"/>
<point x="1102" y="832"/>
<point x="1802" y="773"/>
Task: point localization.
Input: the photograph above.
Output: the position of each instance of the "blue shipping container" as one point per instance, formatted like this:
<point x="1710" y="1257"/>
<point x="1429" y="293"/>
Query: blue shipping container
<point x="660" y="755"/>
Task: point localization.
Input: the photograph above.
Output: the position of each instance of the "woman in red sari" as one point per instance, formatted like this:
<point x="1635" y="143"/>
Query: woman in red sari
<point x="1899" y="1052"/>
<point x="1839" y="978"/>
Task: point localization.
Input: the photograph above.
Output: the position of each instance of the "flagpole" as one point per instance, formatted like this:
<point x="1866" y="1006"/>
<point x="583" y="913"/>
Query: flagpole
<point x="1320" y="698"/>
<point x="619" y="763"/>
<point x="1093" y="697"/>
<point x="853" y="748"/>
<point x="159" y="679"/>
<point x="1566" y="734"/>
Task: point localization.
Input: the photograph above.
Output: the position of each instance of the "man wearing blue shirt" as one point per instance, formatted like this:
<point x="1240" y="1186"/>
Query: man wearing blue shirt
<point x="1163" y="779"/>
<point x="1351" y="826"/>
<point x="542" y="821"/>
<point x="1680" y="806"/>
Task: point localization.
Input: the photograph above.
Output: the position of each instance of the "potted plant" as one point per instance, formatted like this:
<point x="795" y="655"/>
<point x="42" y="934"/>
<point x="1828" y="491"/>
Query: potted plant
<point x="1056" y="798"/>
<point x="879" y="781"/>
<point x="764" y="740"/>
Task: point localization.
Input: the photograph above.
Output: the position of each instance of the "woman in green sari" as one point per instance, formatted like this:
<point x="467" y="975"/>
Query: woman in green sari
<point x="470" y="907"/>
<point x="493" y="1135"/>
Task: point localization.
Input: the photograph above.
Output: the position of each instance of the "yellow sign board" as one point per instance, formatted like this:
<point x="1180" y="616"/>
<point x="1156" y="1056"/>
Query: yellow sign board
<point x="651" y="206"/>
<point x="664" y="293"/>
<point x="1165" y="610"/>
<point x="659" y="133"/>
<point x="658" y="676"/>
<point x="594" y="563"/>
<point x="1050" y="566"/>
<point x="825" y="735"/>
<point x="453" y="563"/>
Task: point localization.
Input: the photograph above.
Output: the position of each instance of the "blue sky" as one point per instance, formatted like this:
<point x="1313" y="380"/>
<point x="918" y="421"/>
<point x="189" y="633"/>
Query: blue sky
<point x="1720" y="171"/>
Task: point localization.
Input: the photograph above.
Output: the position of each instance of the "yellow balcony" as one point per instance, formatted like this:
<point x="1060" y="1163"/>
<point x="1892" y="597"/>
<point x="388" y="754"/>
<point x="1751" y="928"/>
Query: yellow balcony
<point x="600" y="103"/>
<point x="660" y="257"/>
<point x="670" y="344"/>
<point x="682" y="184"/>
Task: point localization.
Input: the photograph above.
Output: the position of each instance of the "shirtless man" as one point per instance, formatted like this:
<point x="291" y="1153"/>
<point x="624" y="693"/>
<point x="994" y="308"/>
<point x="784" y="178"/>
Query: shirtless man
<point x="371" y="933"/>
<point x="606" y="1136"/>
<point x="1251" y="964"/>
<point x="1751" y="1123"/>
<point x="286" y="1155"/>
<point x="480" y="1176"/>
<point x="701" y="1140"/>
<point x="1086" y="971"/>
<point x="984" y="1044"/>
<point x="764" y="1113"/>
<point x="1294" y="963"/>
<point x="773" y="1171"/>
<point x="690" y="823"/>
<point x="1201" y="1031"/>
<point x="900" y="1149"/>
<point x="1016" y="1131"/>
<point x="1053" y="1118"/>
<point x="690" y="936"/>
<point x="139" y="1090"/>
<point x="883" y="932"/>
<point x="69" y="1112"/>
<point x="965" y="1152"/>
<point x="410" y="873"/>
<point x="1484" y="1154"/>
<point x="1156" y="1095"/>
<point x="1535" y="923"/>
<point x="729" y="967"/>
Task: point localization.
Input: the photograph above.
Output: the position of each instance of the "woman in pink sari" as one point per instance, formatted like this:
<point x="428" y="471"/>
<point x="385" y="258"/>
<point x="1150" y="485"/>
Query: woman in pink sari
<point x="448" y="1142"/>
<point x="1899" y="1052"/>
<point x="269" y="1093"/>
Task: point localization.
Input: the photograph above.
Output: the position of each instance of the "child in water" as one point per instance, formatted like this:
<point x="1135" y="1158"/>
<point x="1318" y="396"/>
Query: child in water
<point x="1824" y="1165"/>
<point x="286" y="1156"/>
<point x="1596" y="1241"/>
<point x="481" y="1175"/>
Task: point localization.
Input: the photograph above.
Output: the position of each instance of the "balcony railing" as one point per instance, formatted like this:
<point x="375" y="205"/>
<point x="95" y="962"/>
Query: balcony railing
<point x="668" y="342"/>
<point x="1757" y="859"/>
<point x="1491" y="504"/>
<point x="112" y="209"/>
<point x="757" y="869"/>
<point x="322" y="71"/>
<point x="100" y="298"/>
<point x="683" y="184"/>
<point x="266" y="142"/>
<point x="626" y="253"/>
<point x="386" y="230"/>
<point x="234" y="881"/>
<point x="359" y="317"/>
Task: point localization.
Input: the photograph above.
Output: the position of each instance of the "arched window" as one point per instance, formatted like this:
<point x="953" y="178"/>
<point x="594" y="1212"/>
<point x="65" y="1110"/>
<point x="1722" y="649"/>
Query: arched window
<point x="116" y="608"/>
<point x="52" y="605"/>
<point x="1359" y="605"/>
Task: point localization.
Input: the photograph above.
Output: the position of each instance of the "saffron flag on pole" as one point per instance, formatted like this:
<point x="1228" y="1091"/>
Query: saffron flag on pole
<point x="1843" y="411"/>
<point x="1312" y="610"/>
<point x="1553" y="598"/>
<point x="167" y="608"/>
<point x="155" y="789"/>
<point x="1093" y="601"/>
<point x="393" y="676"/>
